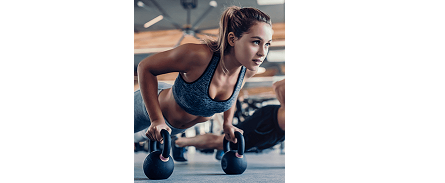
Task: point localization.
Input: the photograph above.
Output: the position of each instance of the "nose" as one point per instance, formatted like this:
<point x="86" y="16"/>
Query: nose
<point x="261" y="52"/>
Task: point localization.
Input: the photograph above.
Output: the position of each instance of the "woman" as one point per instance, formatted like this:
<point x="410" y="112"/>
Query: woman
<point x="210" y="77"/>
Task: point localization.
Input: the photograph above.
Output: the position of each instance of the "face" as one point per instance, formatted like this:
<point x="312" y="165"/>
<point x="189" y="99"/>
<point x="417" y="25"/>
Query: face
<point x="252" y="47"/>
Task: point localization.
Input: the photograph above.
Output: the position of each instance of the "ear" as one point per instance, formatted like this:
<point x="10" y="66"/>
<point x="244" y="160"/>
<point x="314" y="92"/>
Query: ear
<point x="231" y="38"/>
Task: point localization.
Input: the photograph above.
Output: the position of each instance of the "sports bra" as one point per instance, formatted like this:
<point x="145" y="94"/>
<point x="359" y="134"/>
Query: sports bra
<point x="193" y="97"/>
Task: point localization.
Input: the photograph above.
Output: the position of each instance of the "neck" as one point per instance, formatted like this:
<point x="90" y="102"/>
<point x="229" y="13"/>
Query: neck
<point x="230" y="63"/>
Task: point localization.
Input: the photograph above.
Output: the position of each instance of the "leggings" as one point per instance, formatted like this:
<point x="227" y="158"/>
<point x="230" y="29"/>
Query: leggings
<point x="141" y="118"/>
<point x="261" y="130"/>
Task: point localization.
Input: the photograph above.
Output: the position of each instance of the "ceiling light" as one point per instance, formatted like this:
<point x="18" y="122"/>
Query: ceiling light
<point x="213" y="3"/>
<point x="155" y="20"/>
<point x="269" y="2"/>
<point x="140" y="4"/>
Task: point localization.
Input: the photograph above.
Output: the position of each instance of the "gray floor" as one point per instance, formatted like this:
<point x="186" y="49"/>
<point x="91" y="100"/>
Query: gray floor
<point x="262" y="167"/>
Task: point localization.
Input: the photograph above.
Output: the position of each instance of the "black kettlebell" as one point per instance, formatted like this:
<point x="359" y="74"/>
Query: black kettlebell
<point x="159" y="165"/>
<point x="234" y="162"/>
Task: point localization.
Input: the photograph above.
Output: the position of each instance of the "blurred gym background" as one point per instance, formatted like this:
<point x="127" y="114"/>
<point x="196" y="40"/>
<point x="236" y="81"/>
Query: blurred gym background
<point x="160" y="25"/>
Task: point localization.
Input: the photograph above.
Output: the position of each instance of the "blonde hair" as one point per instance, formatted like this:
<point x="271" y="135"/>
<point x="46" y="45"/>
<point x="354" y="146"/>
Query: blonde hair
<point x="237" y="20"/>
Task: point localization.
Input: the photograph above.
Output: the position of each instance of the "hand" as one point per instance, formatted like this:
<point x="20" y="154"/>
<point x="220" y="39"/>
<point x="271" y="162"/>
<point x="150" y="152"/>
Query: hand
<point x="229" y="131"/>
<point x="279" y="88"/>
<point x="154" y="130"/>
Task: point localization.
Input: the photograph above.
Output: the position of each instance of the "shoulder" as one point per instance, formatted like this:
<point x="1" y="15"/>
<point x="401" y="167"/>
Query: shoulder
<point x="184" y="58"/>
<point x="279" y="84"/>
<point x="194" y="53"/>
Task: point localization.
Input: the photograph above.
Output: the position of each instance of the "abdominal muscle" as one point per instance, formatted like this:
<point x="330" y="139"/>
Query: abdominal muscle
<point x="174" y="114"/>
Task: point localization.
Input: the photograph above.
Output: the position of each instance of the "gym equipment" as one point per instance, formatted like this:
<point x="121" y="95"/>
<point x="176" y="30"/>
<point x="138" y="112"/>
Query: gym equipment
<point x="234" y="162"/>
<point x="159" y="164"/>
<point x="187" y="29"/>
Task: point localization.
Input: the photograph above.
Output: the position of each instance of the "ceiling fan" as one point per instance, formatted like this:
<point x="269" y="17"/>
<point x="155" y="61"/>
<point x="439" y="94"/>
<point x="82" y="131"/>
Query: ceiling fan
<point x="188" y="28"/>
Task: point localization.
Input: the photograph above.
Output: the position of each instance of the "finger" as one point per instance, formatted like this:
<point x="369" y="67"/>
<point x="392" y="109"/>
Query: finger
<point x="228" y="138"/>
<point x="232" y="137"/>
<point x="148" y="134"/>
<point x="154" y="134"/>
<point x="160" y="138"/>
<point x="158" y="135"/>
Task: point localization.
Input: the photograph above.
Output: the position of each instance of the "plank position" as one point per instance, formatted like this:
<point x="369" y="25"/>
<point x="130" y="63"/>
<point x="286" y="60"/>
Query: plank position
<point x="209" y="80"/>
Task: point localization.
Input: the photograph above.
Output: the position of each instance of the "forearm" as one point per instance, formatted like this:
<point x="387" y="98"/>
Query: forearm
<point x="279" y="88"/>
<point x="228" y="115"/>
<point x="148" y="85"/>
<point x="229" y="129"/>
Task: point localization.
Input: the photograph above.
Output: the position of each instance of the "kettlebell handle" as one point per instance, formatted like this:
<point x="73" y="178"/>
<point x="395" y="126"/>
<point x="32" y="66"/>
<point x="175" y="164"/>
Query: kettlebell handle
<point x="167" y="144"/>
<point x="240" y="142"/>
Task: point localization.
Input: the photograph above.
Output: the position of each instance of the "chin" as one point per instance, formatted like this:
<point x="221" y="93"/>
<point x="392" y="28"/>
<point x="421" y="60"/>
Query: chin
<point x="255" y="68"/>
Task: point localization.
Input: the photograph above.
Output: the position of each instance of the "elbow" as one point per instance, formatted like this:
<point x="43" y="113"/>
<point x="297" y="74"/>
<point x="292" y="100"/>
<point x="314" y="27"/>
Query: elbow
<point x="143" y="67"/>
<point x="140" y="67"/>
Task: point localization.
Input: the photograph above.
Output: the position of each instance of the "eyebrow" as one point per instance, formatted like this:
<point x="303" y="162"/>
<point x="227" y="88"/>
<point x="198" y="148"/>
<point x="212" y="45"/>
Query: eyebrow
<point x="258" y="37"/>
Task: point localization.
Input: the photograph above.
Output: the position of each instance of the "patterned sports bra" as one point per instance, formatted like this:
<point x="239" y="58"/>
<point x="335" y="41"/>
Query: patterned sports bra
<point x="194" y="97"/>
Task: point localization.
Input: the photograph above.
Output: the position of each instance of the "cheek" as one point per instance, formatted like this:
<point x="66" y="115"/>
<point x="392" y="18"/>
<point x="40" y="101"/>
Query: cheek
<point x="249" y="51"/>
<point x="244" y="52"/>
<point x="241" y="51"/>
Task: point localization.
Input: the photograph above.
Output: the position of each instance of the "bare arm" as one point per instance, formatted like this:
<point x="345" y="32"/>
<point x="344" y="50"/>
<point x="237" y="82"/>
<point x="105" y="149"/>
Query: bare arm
<point x="180" y="59"/>
<point x="229" y="129"/>
<point x="279" y="89"/>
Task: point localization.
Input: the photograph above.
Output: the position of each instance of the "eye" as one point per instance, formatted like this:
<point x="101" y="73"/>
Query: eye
<point x="256" y="42"/>
<point x="267" y="44"/>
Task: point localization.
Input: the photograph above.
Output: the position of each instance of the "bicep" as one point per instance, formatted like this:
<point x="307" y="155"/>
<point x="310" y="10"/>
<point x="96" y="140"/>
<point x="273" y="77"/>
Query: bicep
<point x="174" y="60"/>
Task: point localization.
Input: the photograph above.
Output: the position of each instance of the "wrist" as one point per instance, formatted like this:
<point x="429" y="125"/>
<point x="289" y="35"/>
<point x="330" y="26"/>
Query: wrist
<point x="227" y="126"/>
<point x="158" y="122"/>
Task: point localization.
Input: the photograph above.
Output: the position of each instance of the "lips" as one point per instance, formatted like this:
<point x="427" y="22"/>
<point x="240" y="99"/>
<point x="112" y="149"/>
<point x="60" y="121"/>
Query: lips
<point x="257" y="61"/>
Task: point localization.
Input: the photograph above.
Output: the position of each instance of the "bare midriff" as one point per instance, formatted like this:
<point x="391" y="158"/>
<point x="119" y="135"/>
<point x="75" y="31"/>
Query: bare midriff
<point x="174" y="114"/>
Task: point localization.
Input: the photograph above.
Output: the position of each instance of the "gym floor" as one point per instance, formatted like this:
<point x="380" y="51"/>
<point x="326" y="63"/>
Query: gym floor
<point x="267" y="166"/>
